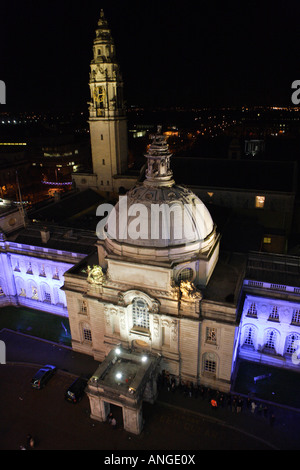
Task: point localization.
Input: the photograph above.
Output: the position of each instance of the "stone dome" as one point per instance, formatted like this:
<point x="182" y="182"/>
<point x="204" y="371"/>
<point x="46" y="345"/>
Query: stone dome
<point x="158" y="219"/>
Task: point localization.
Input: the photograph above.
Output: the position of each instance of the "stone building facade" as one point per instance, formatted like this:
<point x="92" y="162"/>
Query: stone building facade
<point x="140" y="291"/>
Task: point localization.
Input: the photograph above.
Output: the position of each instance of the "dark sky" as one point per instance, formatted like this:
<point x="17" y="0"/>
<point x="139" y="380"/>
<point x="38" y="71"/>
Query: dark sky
<point x="170" y="52"/>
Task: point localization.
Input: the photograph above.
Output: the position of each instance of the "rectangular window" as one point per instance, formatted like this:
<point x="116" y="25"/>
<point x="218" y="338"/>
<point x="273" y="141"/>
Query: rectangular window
<point x="210" y="366"/>
<point x="260" y="202"/>
<point x="211" y="335"/>
<point x="296" y="317"/>
<point x="274" y="314"/>
<point x="83" y="307"/>
<point x="29" y="269"/>
<point x="103" y="161"/>
<point x="42" y="271"/>
<point x="87" y="334"/>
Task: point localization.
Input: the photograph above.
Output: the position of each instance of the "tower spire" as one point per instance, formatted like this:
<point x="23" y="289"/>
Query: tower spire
<point x="107" y="112"/>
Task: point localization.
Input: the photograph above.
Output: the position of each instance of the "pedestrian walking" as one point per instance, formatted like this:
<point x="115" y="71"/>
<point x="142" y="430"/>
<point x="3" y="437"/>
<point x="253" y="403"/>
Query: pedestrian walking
<point x="239" y="405"/>
<point x="233" y="404"/>
<point x="214" y="404"/>
<point x="29" y="441"/>
<point x="253" y="406"/>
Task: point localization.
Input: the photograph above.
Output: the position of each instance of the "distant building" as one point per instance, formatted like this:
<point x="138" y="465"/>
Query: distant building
<point x="254" y="148"/>
<point x="33" y="260"/>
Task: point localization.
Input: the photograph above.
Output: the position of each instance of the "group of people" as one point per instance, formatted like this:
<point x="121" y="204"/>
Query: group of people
<point x="215" y="398"/>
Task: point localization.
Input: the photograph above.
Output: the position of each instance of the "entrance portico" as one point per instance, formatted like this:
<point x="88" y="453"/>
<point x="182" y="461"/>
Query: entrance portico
<point x="126" y="379"/>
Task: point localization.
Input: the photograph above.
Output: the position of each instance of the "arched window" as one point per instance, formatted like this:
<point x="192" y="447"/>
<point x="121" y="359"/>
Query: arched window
<point x="249" y="336"/>
<point x="140" y="314"/>
<point x="46" y="295"/>
<point x="291" y="346"/>
<point x="271" y="338"/>
<point x="186" y="274"/>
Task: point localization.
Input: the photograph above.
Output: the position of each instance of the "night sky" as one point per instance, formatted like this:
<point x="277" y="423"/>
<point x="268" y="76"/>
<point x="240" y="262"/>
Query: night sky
<point x="172" y="53"/>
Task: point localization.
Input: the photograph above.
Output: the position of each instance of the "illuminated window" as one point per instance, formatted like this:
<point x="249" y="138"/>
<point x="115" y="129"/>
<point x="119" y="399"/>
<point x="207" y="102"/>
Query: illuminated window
<point x="260" y="202"/>
<point x="140" y="314"/>
<point x="274" y="314"/>
<point x="56" y="274"/>
<point x="267" y="240"/>
<point x="211" y="335"/>
<point x="29" y="269"/>
<point x="42" y="271"/>
<point x="271" y="340"/>
<point x="17" y="267"/>
<point x="47" y="297"/>
<point x="83" y="308"/>
<point x="291" y="346"/>
<point x="34" y="293"/>
<point x="252" y="312"/>
<point x="296" y="316"/>
<point x="249" y="336"/>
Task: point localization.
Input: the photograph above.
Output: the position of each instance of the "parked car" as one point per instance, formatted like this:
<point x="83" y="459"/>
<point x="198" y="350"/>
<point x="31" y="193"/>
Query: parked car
<point x="42" y="376"/>
<point x="76" y="390"/>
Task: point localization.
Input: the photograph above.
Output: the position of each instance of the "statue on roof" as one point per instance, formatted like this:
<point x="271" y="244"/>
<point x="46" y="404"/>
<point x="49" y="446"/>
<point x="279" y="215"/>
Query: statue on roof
<point x="95" y="275"/>
<point x="189" y="291"/>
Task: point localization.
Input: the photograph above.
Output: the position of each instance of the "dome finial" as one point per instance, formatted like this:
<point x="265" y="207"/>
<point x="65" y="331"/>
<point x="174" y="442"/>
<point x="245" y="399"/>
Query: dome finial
<point x="158" y="171"/>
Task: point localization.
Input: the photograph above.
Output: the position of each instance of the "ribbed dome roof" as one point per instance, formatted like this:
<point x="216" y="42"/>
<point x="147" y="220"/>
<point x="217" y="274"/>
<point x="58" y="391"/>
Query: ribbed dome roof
<point x="158" y="214"/>
<point x="160" y="217"/>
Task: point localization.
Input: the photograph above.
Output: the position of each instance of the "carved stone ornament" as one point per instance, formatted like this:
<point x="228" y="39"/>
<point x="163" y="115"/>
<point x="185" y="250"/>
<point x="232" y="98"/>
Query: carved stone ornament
<point x="121" y="300"/>
<point x="155" y="306"/>
<point x="189" y="291"/>
<point x="95" y="275"/>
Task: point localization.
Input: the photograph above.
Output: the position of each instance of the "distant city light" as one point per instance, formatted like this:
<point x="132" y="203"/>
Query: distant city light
<point x="55" y="183"/>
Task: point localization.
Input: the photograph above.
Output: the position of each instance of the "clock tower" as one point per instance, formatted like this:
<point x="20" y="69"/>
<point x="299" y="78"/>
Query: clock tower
<point x="107" y="114"/>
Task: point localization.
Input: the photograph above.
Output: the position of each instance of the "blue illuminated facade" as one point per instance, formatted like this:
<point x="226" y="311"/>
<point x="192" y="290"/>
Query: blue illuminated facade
<point x="269" y="328"/>
<point x="32" y="267"/>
